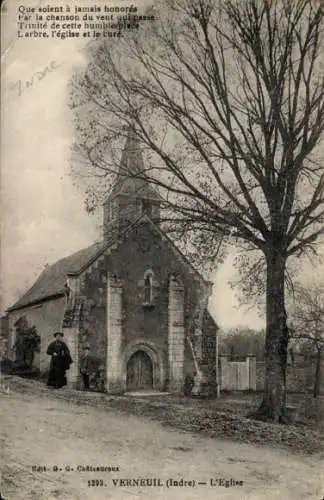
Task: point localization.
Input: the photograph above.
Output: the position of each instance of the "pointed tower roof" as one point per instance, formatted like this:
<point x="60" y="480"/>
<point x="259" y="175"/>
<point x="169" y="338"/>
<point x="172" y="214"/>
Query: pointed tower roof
<point x="131" y="177"/>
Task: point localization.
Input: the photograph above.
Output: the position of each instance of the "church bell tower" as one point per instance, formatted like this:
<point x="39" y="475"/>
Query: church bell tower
<point x="132" y="194"/>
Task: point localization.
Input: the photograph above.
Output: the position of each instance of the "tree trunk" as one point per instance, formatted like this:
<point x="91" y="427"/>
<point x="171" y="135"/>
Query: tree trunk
<point x="316" y="390"/>
<point x="273" y="405"/>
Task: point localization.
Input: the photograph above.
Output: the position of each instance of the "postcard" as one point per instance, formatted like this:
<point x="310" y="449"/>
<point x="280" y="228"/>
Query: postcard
<point x="162" y="306"/>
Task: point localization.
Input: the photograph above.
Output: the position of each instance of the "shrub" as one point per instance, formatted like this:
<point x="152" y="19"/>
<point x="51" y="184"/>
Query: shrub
<point x="7" y="366"/>
<point x="188" y="385"/>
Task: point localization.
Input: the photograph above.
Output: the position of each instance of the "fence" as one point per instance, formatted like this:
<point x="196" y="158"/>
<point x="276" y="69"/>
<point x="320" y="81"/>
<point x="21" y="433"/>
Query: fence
<point x="238" y="375"/>
<point x="247" y="374"/>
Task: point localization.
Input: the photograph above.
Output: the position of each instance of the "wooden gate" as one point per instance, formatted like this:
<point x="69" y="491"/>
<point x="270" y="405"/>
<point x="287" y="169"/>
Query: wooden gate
<point x="139" y="372"/>
<point x="238" y="375"/>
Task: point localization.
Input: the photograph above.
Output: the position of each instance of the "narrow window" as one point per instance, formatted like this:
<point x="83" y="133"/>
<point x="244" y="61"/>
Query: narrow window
<point x="148" y="288"/>
<point x="147" y="207"/>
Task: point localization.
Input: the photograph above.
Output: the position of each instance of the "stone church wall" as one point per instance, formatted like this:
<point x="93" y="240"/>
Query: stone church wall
<point x="145" y="250"/>
<point x="93" y="313"/>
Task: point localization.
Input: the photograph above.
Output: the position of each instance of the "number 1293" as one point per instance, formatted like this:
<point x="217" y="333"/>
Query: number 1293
<point x="95" y="482"/>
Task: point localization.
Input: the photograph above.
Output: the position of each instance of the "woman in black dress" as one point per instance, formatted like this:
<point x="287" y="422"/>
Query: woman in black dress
<point x="60" y="361"/>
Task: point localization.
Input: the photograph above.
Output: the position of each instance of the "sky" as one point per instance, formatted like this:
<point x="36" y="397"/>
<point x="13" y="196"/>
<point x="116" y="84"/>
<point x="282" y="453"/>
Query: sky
<point x="43" y="215"/>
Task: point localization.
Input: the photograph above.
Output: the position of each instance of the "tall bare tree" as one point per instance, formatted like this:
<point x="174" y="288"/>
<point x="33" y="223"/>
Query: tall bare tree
<point x="226" y="99"/>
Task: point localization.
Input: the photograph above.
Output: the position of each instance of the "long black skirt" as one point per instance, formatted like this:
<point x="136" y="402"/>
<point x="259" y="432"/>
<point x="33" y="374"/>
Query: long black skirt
<point x="57" y="374"/>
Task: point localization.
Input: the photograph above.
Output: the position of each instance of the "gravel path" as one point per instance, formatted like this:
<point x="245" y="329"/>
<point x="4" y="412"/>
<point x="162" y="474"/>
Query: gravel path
<point x="39" y="430"/>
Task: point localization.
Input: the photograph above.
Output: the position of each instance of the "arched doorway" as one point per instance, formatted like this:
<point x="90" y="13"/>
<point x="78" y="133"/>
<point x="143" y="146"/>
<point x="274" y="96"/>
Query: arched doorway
<point x="139" y="372"/>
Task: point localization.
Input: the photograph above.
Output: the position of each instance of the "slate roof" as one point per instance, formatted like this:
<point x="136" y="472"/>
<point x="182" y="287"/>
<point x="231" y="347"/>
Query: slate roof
<point x="51" y="281"/>
<point x="131" y="178"/>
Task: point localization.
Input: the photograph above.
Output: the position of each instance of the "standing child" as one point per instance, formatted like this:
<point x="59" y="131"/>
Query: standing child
<point x="85" y="367"/>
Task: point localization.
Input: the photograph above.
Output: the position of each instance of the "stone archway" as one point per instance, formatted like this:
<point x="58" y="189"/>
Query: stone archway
<point x="143" y="366"/>
<point x="139" y="370"/>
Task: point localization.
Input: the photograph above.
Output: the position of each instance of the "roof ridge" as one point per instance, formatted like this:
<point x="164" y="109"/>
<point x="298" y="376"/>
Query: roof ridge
<point x="51" y="280"/>
<point x="51" y="277"/>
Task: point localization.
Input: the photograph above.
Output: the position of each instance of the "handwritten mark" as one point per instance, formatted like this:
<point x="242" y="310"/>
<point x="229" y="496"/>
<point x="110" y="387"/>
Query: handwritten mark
<point x="23" y="85"/>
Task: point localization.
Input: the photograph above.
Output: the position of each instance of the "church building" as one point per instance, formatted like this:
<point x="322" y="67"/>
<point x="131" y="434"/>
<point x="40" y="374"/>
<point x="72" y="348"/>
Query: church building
<point x="134" y="298"/>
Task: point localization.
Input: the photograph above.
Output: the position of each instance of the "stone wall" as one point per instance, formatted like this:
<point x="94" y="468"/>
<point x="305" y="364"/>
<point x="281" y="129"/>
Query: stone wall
<point x="114" y="375"/>
<point x="93" y="295"/>
<point x="209" y="344"/>
<point x="176" y="335"/>
<point x="47" y="318"/>
<point x="4" y="337"/>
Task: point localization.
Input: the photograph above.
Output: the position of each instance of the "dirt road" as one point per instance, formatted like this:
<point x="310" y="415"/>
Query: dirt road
<point x="39" y="432"/>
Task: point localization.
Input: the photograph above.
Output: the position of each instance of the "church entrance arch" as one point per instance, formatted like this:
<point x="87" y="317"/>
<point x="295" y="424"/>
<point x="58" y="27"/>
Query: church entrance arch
<point x="139" y="372"/>
<point x="143" y="366"/>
